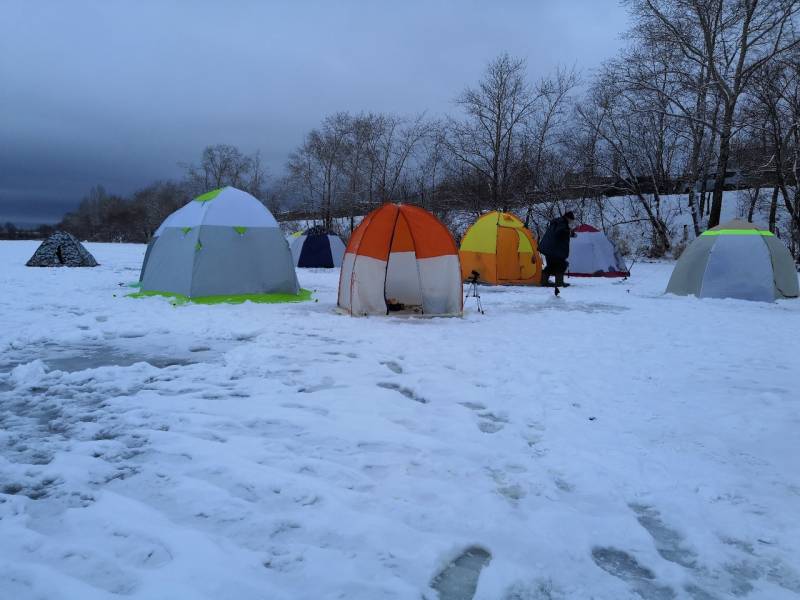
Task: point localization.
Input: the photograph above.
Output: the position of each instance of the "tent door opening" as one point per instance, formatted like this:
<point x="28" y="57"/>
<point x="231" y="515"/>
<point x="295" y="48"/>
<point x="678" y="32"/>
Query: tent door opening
<point x="402" y="290"/>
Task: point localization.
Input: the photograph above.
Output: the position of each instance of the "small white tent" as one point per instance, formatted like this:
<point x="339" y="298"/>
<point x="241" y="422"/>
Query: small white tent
<point x="591" y="254"/>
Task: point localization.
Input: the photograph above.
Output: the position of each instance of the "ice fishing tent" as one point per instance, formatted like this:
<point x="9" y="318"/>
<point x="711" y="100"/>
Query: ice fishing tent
<point x="591" y="254"/>
<point x="401" y="259"/>
<point x="317" y="247"/>
<point x="502" y="250"/>
<point x="735" y="260"/>
<point x="224" y="243"/>
<point x="61" y="250"/>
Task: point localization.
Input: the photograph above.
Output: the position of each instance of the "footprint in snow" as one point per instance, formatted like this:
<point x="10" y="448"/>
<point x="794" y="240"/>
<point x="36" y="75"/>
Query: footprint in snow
<point x="459" y="579"/>
<point x="347" y="354"/>
<point x="511" y="491"/>
<point x="540" y="589"/>
<point x="563" y="485"/>
<point x="139" y="550"/>
<point x="489" y="427"/>
<point x="669" y="543"/>
<point x="131" y="334"/>
<point x="624" y="566"/>
<point x="326" y="384"/>
<point x="697" y="593"/>
<point x="407" y="392"/>
<point x="473" y="405"/>
<point x="392" y="366"/>
<point x="491" y="423"/>
<point x="671" y="546"/>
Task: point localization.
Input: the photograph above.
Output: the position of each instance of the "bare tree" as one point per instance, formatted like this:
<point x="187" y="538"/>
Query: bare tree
<point x="637" y="146"/>
<point x="545" y="135"/>
<point x="157" y="201"/>
<point x="773" y="116"/>
<point x="317" y="165"/>
<point x="496" y="113"/>
<point x="221" y="165"/>
<point x="357" y="162"/>
<point x="730" y="40"/>
<point x="394" y="141"/>
<point x="432" y="168"/>
<point x="351" y="163"/>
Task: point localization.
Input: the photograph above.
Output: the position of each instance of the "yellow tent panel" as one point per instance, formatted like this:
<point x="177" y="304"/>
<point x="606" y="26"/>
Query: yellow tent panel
<point x="502" y="250"/>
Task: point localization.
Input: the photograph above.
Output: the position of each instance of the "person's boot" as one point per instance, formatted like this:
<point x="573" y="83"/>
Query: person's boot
<point x="545" y="281"/>
<point x="560" y="281"/>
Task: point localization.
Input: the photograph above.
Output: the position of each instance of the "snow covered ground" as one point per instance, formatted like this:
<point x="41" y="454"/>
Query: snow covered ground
<point x="612" y="443"/>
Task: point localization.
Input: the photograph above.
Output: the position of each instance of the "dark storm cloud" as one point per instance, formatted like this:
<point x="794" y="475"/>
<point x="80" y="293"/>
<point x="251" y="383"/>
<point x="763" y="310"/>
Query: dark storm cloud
<point x="118" y="93"/>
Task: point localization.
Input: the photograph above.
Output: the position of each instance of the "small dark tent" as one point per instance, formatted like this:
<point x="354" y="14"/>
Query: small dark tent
<point x="61" y="250"/>
<point x="318" y="248"/>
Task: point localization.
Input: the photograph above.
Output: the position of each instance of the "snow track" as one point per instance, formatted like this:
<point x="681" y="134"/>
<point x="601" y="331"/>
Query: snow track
<point x="612" y="443"/>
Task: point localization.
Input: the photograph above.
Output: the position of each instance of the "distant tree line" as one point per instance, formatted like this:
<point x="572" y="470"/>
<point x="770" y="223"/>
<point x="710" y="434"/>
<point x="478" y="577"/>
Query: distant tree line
<point x="102" y="216"/>
<point x="705" y="97"/>
<point x="12" y="231"/>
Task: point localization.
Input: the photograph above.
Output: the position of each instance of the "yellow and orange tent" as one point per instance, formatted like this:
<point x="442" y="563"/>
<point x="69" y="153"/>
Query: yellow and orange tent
<point x="401" y="258"/>
<point x="502" y="250"/>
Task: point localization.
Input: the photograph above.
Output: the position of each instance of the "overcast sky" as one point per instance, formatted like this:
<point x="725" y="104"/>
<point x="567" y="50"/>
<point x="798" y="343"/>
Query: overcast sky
<point x="118" y="92"/>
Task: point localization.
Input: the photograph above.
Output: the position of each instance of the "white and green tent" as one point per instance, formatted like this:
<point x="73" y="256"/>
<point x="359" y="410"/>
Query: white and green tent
<point x="735" y="260"/>
<point x="223" y="245"/>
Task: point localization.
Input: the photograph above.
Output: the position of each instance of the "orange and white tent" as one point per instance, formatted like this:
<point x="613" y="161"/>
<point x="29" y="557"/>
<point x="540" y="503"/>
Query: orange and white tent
<point x="401" y="259"/>
<point x="502" y="250"/>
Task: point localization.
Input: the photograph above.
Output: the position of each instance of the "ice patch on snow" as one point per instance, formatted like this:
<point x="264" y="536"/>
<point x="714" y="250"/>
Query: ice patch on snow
<point x="571" y="306"/>
<point x="72" y="359"/>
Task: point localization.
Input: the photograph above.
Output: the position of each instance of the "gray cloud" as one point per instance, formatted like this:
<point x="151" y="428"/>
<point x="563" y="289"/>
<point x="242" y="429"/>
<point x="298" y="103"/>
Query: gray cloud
<point x="118" y="93"/>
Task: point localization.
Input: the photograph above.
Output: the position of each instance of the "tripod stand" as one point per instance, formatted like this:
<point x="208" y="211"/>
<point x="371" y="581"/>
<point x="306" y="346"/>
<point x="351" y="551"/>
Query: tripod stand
<point x="472" y="291"/>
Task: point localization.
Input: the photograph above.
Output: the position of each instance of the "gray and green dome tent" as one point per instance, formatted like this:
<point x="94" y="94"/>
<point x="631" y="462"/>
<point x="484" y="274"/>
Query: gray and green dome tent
<point x="223" y="244"/>
<point x="735" y="260"/>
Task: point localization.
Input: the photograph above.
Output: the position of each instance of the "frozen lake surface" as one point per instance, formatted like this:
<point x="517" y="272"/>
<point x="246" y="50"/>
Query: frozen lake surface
<point x="612" y="443"/>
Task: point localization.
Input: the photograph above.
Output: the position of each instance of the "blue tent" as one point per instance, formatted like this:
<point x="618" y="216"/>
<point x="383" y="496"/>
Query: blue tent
<point x="317" y="248"/>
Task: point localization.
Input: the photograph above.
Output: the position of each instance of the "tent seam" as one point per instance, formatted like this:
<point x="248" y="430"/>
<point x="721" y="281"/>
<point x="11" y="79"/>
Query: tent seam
<point x="389" y="255"/>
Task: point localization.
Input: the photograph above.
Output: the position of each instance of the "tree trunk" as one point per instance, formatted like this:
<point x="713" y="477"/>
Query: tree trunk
<point x="660" y="233"/>
<point x="693" y="210"/>
<point x="722" y="167"/>
<point x="704" y="170"/>
<point x="773" y="208"/>
<point x="698" y="133"/>
<point x="794" y="216"/>
<point x="328" y="222"/>
<point x="753" y="202"/>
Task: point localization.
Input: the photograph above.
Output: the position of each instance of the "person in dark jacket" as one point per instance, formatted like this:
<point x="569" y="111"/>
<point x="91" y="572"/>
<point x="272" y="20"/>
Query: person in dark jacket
<point x="555" y="247"/>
